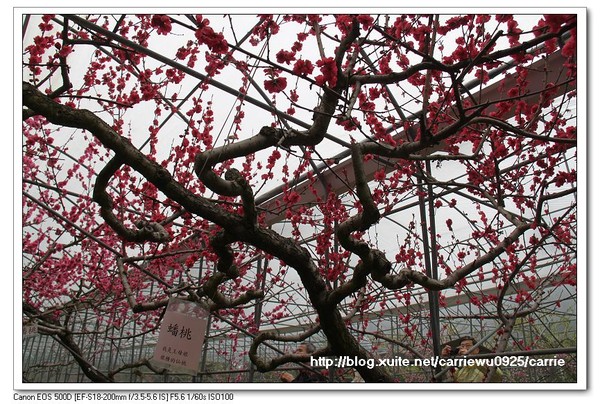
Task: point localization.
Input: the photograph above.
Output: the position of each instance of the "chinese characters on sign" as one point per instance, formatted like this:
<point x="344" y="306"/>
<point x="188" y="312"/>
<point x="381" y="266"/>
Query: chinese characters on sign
<point x="181" y="336"/>
<point x="184" y="333"/>
<point x="30" y="330"/>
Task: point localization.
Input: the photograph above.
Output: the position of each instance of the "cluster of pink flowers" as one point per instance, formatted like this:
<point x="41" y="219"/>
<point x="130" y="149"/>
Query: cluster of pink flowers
<point x="207" y="36"/>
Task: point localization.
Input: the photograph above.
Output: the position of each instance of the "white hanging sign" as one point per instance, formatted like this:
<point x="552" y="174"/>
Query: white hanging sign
<point x="181" y="336"/>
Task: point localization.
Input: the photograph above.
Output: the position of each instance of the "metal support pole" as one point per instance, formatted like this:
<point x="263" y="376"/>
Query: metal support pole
<point x="260" y="266"/>
<point x="430" y="263"/>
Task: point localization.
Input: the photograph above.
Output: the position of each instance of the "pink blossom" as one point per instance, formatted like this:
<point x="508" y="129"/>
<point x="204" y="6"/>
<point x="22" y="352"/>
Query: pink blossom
<point x="162" y="23"/>
<point x="284" y="56"/>
<point x="329" y="70"/>
<point x="275" y="85"/>
<point x="303" y="67"/>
